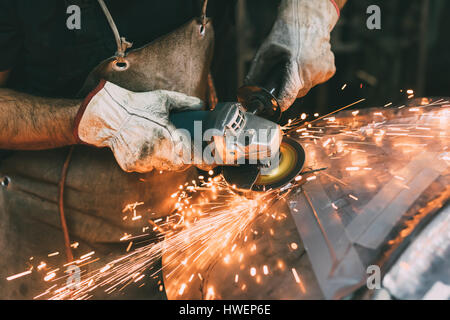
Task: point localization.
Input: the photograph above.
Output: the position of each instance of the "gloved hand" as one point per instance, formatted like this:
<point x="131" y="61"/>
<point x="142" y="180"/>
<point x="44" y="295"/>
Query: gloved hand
<point x="136" y="126"/>
<point x="300" y="42"/>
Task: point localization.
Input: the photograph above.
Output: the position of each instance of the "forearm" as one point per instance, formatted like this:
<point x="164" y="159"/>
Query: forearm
<point x="34" y="123"/>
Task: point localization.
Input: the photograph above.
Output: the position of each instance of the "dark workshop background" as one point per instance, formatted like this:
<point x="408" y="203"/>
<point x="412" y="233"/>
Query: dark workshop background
<point x="411" y="51"/>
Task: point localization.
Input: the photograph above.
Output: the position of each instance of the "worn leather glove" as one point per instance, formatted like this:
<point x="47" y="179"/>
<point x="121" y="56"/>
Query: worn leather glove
<point x="136" y="126"/>
<point x="300" y="43"/>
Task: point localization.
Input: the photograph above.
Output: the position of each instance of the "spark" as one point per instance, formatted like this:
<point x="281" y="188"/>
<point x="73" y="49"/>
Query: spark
<point x="265" y="270"/>
<point x="198" y="239"/>
<point x="212" y="221"/>
<point x="132" y="206"/>
<point x="126" y="236"/>
<point x="75" y="245"/>
<point x="339" y="109"/>
<point x="297" y="279"/>
<point x="210" y="294"/>
<point x="129" y="246"/>
<point x="181" y="291"/>
<point x="19" y="275"/>
<point x="50" y="276"/>
<point x="87" y="255"/>
<point x="41" y="266"/>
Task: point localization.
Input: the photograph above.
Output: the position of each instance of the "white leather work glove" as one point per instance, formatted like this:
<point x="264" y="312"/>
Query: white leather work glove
<point x="136" y="126"/>
<point x="300" y="43"/>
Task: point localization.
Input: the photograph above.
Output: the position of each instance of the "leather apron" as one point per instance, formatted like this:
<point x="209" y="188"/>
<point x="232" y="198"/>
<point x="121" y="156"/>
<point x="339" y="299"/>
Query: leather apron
<point x="96" y="189"/>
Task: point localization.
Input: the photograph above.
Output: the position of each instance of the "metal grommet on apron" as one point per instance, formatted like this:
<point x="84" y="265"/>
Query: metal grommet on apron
<point x="5" y="181"/>
<point x="121" y="63"/>
<point x="202" y="28"/>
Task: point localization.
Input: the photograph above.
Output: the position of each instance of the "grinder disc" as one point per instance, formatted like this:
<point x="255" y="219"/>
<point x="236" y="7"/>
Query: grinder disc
<point x="292" y="159"/>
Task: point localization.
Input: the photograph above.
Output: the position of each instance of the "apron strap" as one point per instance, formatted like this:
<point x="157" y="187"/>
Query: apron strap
<point x="62" y="182"/>
<point x="203" y="14"/>
<point x="212" y="93"/>
<point x="122" y="44"/>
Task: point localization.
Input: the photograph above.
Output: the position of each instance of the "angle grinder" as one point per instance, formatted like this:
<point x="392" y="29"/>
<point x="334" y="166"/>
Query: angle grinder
<point x="259" y="157"/>
<point x="259" y="98"/>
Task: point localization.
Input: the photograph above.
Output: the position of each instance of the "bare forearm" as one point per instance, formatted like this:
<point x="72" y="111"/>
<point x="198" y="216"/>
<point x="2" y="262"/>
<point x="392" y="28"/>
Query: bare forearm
<point x="33" y="123"/>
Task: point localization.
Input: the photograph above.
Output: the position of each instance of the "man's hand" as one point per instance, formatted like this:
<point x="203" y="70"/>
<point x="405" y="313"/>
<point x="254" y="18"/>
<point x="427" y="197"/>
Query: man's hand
<point x="136" y="126"/>
<point x="300" y="40"/>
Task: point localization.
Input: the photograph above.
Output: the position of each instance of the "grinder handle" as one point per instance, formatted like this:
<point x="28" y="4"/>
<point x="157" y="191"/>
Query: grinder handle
<point x="186" y="120"/>
<point x="209" y="119"/>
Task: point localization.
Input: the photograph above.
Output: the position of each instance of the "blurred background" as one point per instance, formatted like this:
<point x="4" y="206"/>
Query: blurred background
<point x="411" y="51"/>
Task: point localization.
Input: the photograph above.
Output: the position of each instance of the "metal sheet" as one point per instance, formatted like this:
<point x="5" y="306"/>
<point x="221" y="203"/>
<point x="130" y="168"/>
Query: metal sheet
<point x="387" y="170"/>
<point x="323" y="236"/>
<point x="380" y="215"/>
<point x="423" y="270"/>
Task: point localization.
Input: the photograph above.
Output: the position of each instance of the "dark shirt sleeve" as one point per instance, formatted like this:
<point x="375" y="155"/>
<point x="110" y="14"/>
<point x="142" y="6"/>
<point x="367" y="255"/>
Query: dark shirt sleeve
<point x="10" y="36"/>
